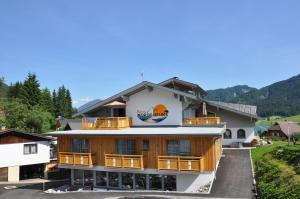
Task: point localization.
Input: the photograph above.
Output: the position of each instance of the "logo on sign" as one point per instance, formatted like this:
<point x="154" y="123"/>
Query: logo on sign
<point x="154" y="115"/>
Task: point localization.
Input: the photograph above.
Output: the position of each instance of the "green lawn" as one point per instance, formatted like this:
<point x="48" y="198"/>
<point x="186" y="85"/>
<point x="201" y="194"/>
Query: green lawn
<point x="258" y="152"/>
<point x="273" y="119"/>
<point x="264" y="151"/>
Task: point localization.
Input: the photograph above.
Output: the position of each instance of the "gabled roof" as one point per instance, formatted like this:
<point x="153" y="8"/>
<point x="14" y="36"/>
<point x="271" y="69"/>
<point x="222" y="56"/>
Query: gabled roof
<point x="246" y="110"/>
<point x="132" y="90"/>
<point x="24" y="133"/>
<point x="243" y="109"/>
<point x="74" y="125"/>
<point x="287" y="127"/>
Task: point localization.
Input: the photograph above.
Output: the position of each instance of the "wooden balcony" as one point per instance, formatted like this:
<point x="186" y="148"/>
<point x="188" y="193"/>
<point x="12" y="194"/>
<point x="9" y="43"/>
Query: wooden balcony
<point x="180" y="163"/>
<point x="84" y="159"/>
<point x="201" y="121"/>
<point x="124" y="161"/>
<point x="112" y="123"/>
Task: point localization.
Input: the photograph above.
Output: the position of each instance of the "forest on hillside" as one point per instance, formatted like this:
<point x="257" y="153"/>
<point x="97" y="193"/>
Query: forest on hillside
<point x="26" y="106"/>
<point x="281" y="98"/>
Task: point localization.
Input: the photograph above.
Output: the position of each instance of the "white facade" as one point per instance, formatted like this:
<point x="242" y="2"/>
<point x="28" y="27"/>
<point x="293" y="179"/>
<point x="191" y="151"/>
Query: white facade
<point x="146" y="100"/>
<point x="13" y="154"/>
<point x="234" y="122"/>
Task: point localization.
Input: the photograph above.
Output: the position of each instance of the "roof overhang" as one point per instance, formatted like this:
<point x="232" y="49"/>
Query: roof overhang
<point x="147" y="131"/>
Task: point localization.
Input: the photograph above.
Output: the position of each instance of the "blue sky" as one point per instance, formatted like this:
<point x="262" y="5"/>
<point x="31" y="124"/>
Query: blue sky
<point x="98" y="48"/>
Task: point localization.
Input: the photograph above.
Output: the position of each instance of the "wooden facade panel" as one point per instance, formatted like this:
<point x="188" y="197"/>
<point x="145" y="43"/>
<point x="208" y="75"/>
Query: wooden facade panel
<point x="11" y="139"/>
<point x="4" y="174"/>
<point x="201" y="146"/>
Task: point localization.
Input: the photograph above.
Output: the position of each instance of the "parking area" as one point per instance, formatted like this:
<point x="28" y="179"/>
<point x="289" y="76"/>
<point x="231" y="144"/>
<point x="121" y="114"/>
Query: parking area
<point x="234" y="175"/>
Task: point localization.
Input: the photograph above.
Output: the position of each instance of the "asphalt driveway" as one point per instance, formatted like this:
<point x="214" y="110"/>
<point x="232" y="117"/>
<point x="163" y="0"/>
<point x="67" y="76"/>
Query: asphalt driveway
<point x="234" y="175"/>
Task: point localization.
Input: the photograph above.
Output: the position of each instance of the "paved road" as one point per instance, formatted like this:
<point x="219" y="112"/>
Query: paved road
<point x="234" y="180"/>
<point x="234" y="175"/>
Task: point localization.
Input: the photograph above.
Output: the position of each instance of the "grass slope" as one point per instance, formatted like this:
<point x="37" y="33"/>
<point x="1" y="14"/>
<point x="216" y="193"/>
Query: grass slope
<point x="277" y="169"/>
<point x="271" y="120"/>
<point x="259" y="152"/>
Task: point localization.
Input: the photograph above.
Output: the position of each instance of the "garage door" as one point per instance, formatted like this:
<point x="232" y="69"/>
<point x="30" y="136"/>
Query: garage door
<point x="4" y="174"/>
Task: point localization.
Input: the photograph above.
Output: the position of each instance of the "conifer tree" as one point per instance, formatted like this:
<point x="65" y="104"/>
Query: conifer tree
<point x="30" y="93"/>
<point x="69" y="108"/>
<point x="14" y="90"/>
<point x="46" y="101"/>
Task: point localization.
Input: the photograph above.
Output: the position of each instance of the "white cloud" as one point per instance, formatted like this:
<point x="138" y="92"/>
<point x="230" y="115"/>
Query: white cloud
<point x="82" y="101"/>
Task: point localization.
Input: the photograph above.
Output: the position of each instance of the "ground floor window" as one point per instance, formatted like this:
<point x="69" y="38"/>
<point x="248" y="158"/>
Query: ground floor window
<point x="113" y="179"/>
<point x="78" y="176"/>
<point x="155" y="182"/>
<point x="169" y="183"/>
<point x="127" y="180"/>
<point x="124" y="180"/>
<point x="101" y="178"/>
<point x="88" y="178"/>
<point x="140" y="181"/>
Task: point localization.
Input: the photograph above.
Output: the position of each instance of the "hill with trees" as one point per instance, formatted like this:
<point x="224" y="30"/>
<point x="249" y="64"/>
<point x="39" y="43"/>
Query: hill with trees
<point x="228" y="94"/>
<point x="280" y="98"/>
<point x="24" y="105"/>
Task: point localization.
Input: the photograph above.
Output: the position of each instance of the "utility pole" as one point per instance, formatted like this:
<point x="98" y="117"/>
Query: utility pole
<point x="289" y="136"/>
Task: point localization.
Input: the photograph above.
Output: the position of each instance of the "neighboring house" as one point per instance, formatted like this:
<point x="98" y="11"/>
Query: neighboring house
<point x="153" y="137"/>
<point x="283" y="129"/>
<point x="23" y="155"/>
<point x="68" y="124"/>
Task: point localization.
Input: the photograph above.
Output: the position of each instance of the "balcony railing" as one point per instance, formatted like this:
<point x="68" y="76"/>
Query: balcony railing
<point x="124" y="161"/>
<point x="84" y="159"/>
<point x="106" y="123"/>
<point x="201" y="121"/>
<point x="180" y="163"/>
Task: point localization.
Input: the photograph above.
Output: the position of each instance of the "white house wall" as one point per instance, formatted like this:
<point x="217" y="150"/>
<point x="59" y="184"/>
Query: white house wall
<point x="234" y="122"/>
<point x="145" y="100"/>
<point x="13" y="154"/>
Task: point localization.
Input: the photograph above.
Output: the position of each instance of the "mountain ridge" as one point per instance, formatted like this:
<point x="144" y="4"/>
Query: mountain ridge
<point x="280" y="98"/>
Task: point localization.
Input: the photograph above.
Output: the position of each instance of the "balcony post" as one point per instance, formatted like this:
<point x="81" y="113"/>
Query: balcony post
<point x="178" y="160"/>
<point x="73" y="158"/>
<point x="142" y="161"/>
<point x="122" y="161"/>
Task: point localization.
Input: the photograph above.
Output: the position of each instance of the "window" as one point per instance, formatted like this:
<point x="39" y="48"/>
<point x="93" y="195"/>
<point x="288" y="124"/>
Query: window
<point x="78" y="177"/>
<point x="227" y="134"/>
<point x="140" y="181"/>
<point x="127" y="180"/>
<point x="80" y="145"/>
<point x="101" y="178"/>
<point x="88" y="178"/>
<point x="113" y="179"/>
<point x="155" y="182"/>
<point x="124" y="146"/>
<point x="30" y="149"/>
<point x="169" y="183"/>
<point x="179" y="147"/>
<point x="145" y="145"/>
<point x="241" y="134"/>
